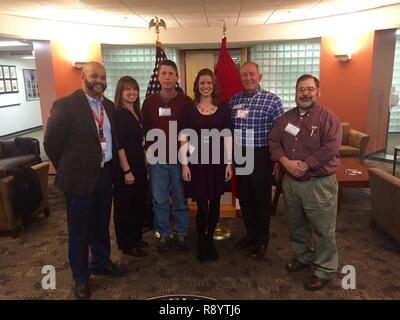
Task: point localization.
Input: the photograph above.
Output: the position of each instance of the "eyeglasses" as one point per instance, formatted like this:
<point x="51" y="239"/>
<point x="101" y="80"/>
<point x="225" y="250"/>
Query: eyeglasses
<point x="303" y="90"/>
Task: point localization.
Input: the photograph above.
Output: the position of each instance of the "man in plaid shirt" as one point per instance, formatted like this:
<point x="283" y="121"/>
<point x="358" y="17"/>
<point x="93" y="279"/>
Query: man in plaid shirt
<point x="254" y="112"/>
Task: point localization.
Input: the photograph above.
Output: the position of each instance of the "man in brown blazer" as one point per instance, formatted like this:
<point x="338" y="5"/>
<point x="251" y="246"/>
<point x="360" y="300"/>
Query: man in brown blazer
<point x="79" y="141"/>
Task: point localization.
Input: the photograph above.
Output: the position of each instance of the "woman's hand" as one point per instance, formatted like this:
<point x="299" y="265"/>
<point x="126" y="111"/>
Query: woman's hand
<point x="129" y="178"/>
<point x="228" y="172"/>
<point x="186" y="176"/>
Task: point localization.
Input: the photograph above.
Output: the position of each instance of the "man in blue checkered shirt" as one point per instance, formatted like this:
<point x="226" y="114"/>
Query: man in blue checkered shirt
<point x="254" y="112"/>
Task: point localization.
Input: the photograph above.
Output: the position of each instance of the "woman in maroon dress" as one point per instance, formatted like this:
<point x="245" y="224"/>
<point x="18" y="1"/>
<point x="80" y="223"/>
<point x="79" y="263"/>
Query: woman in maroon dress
<point x="207" y="180"/>
<point x="130" y="189"/>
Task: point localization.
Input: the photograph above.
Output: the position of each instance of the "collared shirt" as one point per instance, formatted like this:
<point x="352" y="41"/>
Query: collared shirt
<point x="258" y="111"/>
<point x="316" y="140"/>
<point x="96" y="107"/>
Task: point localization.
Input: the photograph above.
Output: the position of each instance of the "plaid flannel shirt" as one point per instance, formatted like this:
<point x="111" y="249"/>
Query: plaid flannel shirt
<point x="263" y="109"/>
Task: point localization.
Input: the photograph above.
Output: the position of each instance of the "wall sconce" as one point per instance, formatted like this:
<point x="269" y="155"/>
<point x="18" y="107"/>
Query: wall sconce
<point x="78" y="64"/>
<point x="343" y="57"/>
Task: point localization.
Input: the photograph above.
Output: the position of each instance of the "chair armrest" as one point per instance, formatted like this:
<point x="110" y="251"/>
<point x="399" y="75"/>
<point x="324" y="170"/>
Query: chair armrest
<point x="28" y="145"/>
<point x="359" y="140"/>
<point x="10" y="149"/>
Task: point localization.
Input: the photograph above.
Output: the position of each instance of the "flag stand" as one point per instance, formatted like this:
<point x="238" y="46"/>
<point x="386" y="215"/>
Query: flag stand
<point x="222" y="232"/>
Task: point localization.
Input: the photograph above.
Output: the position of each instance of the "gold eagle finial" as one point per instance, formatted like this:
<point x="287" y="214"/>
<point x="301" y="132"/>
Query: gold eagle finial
<point x="157" y="23"/>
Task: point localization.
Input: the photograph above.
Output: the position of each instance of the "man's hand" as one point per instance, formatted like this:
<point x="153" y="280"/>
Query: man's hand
<point x="296" y="168"/>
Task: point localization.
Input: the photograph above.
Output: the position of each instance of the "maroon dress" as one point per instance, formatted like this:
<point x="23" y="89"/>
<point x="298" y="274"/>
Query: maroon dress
<point x="208" y="180"/>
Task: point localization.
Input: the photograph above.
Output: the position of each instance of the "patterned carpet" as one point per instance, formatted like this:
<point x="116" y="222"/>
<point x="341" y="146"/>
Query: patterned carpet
<point x="376" y="259"/>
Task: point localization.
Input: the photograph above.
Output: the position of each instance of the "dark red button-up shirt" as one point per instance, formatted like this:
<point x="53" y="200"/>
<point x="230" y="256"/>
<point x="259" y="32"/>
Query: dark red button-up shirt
<point x="317" y="142"/>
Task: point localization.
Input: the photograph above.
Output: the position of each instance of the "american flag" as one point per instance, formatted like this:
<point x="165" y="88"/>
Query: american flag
<point x="154" y="84"/>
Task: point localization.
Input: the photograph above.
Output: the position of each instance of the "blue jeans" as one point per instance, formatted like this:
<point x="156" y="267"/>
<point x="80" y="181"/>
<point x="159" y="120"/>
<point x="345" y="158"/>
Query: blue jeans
<point x="166" y="178"/>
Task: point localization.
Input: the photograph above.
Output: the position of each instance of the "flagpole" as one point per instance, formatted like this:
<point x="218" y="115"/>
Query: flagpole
<point x="222" y="232"/>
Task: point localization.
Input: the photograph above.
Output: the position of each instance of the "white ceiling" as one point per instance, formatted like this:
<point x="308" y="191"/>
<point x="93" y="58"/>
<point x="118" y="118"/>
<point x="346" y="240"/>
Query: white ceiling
<point x="182" y="14"/>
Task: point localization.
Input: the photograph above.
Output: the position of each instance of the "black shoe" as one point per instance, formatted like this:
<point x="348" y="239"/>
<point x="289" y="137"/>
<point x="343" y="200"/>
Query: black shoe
<point x="202" y="250"/>
<point x="142" y="244"/>
<point x="135" y="252"/>
<point x="182" y="243"/>
<point x="111" y="270"/>
<point x="244" y="243"/>
<point x="163" y="244"/>
<point x="258" y="252"/>
<point x="82" y="290"/>
<point x="211" y="251"/>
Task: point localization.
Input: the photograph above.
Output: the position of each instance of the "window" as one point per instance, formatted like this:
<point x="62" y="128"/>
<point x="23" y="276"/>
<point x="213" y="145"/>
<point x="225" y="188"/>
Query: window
<point x="394" y="123"/>
<point x="281" y="63"/>
<point x="137" y="62"/>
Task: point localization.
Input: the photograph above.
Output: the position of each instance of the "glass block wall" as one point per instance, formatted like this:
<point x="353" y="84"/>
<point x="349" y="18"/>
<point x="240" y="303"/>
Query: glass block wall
<point x="137" y="62"/>
<point x="394" y="123"/>
<point x="281" y="63"/>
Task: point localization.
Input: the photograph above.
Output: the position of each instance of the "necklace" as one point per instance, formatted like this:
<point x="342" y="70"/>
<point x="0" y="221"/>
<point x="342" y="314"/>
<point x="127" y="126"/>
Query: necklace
<point x="206" y="109"/>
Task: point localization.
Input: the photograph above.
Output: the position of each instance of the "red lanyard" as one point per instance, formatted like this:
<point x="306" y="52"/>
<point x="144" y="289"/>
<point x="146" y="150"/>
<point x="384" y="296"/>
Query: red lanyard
<point x="99" y="121"/>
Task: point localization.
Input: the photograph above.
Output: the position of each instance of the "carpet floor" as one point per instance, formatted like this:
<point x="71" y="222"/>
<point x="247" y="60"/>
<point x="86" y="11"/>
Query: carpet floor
<point x="375" y="257"/>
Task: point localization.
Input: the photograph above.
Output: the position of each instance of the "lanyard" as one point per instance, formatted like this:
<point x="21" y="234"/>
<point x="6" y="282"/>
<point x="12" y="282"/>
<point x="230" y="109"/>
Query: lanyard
<point x="99" y="121"/>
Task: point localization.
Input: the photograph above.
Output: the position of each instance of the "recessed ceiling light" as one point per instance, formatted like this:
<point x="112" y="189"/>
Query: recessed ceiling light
<point x="12" y="44"/>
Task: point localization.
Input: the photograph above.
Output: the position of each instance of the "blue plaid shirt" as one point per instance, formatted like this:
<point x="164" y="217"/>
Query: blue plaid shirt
<point x="261" y="109"/>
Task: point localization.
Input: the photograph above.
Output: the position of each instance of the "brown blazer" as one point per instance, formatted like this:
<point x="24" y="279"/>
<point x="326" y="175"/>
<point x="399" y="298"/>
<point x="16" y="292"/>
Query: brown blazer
<point x="72" y="143"/>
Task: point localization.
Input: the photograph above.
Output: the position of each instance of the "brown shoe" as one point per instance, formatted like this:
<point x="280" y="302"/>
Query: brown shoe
<point x="316" y="283"/>
<point x="296" y="265"/>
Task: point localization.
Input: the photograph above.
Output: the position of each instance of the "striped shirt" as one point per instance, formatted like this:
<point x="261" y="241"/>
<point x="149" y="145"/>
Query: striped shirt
<point x="253" y="115"/>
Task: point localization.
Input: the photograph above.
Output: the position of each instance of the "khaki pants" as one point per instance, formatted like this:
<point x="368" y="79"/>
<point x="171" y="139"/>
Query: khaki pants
<point x="311" y="208"/>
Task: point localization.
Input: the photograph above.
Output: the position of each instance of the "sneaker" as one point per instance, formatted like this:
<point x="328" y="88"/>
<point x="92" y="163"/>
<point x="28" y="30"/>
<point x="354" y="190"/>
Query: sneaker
<point x="181" y="243"/>
<point x="163" y="244"/>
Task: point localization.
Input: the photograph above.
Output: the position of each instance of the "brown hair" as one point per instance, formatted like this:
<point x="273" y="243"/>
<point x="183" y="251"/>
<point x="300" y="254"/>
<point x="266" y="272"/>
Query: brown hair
<point x="168" y="63"/>
<point x="307" y="76"/>
<point x="127" y="81"/>
<point x="216" y="90"/>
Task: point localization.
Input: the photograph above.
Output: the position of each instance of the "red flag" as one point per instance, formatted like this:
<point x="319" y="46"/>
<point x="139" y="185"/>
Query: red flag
<point x="227" y="74"/>
<point x="228" y="77"/>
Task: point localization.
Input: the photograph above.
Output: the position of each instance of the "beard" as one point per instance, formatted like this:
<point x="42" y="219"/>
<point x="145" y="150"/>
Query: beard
<point x="305" y="103"/>
<point x="91" y="86"/>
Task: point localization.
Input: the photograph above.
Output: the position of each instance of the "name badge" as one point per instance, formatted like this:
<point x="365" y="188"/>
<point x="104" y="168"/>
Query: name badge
<point x="242" y="113"/>
<point x="237" y="106"/>
<point x="103" y="144"/>
<point x="164" y="112"/>
<point x="292" y="129"/>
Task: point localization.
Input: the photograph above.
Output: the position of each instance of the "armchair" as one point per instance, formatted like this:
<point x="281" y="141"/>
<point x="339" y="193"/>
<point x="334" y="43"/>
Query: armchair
<point x="14" y="154"/>
<point x="354" y="143"/>
<point x="385" y="201"/>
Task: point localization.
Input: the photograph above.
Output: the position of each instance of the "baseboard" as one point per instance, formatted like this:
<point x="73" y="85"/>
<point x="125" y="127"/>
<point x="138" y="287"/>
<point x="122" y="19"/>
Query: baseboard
<point x="20" y="133"/>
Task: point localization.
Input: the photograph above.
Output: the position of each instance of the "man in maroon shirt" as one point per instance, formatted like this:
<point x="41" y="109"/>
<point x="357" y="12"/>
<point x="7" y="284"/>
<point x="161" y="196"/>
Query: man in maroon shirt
<point x="306" y="141"/>
<point x="164" y="115"/>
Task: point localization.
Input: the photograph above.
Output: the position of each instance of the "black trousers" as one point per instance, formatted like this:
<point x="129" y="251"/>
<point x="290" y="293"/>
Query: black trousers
<point x="88" y="226"/>
<point x="129" y="212"/>
<point x="207" y="217"/>
<point x="255" y="191"/>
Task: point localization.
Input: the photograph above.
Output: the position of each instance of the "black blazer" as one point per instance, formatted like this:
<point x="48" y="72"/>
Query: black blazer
<point x="72" y="143"/>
